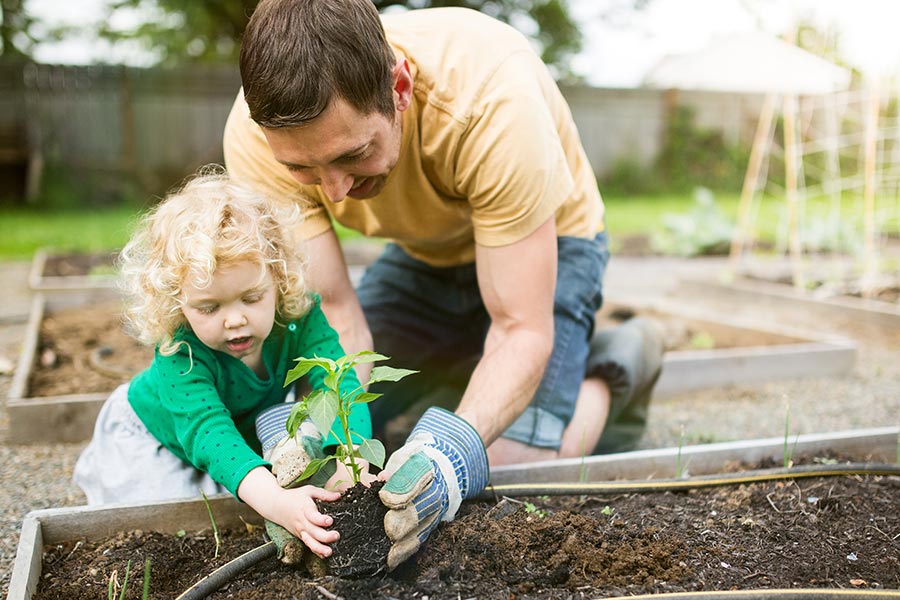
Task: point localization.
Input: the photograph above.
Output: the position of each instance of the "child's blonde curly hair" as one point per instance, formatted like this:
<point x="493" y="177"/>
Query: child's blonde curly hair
<point x="210" y="222"/>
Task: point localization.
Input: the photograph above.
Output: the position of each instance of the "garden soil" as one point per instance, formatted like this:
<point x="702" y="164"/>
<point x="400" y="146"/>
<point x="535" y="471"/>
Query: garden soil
<point x="836" y="532"/>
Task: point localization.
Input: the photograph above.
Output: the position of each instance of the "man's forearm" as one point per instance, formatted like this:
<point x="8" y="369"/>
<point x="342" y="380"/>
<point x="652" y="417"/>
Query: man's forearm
<point x="328" y="276"/>
<point x="505" y="380"/>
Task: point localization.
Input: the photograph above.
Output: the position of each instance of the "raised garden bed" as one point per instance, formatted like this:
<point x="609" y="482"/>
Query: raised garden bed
<point x="59" y="272"/>
<point x="834" y="533"/>
<point x="705" y="349"/>
<point x="846" y="311"/>
<point x="75" y="353"/>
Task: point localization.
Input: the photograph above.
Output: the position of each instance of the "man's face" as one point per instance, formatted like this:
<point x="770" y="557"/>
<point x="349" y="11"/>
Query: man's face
<point x="345" y="152"/>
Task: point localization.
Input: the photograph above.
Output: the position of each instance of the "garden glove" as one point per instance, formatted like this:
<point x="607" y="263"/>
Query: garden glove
<point x="442" y="463"/>
<point x="289" y="457"/>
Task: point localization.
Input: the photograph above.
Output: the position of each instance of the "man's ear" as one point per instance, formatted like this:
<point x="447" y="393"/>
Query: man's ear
<point x="402" y="84"/>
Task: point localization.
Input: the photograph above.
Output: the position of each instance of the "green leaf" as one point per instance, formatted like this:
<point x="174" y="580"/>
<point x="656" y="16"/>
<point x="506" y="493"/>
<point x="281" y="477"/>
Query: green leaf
<point x="313" y="467"/>
<point x="366" y="397"/>
<point x="297" y="416"/>
<point x="372" y="451"/>
<point x="332" y="380"/>
<point x="388" y="374"/>
<point x="323" y="409"/>
<point x="366" y="356"/>
<point x="304" y="365"/>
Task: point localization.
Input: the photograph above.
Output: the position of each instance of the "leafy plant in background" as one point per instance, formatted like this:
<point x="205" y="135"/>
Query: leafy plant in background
<point x="323" y="406"/>
<point x="703" y="230"/>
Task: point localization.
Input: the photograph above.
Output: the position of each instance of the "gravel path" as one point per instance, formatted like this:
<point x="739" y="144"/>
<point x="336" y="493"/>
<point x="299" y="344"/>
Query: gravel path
<point x="36" y="477"/>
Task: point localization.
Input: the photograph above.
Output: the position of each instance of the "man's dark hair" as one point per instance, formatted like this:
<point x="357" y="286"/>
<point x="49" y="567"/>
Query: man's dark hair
<point x="296" y="55"/>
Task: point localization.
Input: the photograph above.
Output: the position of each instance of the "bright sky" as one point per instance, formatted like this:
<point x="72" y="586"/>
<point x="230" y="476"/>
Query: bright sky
<point x="618" y="53"/>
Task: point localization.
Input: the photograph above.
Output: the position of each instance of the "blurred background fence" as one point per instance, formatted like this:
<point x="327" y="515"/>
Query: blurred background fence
<point x="121" y="131"/>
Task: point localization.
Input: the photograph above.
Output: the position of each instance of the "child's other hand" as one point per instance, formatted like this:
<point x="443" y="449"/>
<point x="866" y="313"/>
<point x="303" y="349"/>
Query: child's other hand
<point x="296" y="511"/>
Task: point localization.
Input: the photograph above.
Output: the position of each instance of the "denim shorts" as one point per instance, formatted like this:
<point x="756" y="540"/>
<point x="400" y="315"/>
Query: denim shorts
<point x="433" y="320"/>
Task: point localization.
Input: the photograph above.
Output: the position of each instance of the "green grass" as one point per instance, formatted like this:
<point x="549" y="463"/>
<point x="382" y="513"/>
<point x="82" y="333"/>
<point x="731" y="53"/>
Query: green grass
<point x="24" y="231"/>
<point x="629" y="215"/>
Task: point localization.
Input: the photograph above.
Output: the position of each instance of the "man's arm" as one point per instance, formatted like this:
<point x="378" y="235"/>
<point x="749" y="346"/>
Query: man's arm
<point x="517" y="285"/>
<point x="328" y="276"/>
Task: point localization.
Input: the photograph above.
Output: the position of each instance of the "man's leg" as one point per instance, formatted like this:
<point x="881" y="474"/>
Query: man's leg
<point x="539" y="432"/>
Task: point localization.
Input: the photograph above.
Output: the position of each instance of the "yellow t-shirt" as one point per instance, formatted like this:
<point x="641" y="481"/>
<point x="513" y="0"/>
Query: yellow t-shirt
<point x="489" y="150"/>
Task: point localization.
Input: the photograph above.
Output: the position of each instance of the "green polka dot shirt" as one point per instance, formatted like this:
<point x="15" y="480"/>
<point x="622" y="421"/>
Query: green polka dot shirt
<point x="201" y="403"/>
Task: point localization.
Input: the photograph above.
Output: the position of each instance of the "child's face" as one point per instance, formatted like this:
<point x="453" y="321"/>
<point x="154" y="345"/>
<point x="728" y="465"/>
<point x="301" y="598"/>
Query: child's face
<point x="235" y="313"/>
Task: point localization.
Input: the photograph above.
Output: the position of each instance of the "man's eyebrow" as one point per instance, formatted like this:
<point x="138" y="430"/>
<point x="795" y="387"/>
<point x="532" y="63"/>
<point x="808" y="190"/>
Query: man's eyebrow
<point x="346" y="154"/>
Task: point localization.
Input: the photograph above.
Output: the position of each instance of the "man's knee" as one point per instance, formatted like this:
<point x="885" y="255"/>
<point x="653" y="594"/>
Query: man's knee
<point x="628" y="358"/>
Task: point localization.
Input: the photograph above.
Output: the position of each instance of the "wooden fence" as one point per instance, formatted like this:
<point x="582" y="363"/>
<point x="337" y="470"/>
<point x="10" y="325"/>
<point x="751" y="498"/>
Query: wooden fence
<point x="154" y="126"/>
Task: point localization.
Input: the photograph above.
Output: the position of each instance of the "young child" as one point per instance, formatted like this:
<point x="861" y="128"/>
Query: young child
<point x="214" y="279"/>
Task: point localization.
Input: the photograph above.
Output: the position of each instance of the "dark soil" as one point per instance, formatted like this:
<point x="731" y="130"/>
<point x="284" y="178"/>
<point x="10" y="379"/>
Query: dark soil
<point x="839" y="533"/>
<point x="363" y="547"/>
<point x="78" y="265"/>
<point x="85" y="350"/>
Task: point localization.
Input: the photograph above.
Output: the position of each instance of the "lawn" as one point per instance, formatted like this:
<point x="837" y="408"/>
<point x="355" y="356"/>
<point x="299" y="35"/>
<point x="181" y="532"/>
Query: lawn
<point x="23" y="231"/>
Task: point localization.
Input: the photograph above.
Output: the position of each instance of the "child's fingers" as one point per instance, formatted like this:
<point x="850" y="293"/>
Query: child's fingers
<point x="322" y="494"/>
<point x="314" y="517"/>
<point x="319" y="549"/>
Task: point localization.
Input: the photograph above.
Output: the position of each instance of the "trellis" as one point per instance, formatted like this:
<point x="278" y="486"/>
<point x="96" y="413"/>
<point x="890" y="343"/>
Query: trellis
<point x="838" y="151"/>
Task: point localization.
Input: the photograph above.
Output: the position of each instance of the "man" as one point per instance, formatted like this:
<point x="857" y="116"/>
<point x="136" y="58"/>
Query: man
<point x="442" y="131"/>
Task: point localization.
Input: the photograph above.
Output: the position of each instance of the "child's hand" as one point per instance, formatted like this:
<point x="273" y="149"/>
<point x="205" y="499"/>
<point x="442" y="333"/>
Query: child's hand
<point x="296" y="511"/>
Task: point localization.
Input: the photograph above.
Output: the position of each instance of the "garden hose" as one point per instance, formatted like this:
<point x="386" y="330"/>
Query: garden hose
<point x="492" y="492"/>
<point x="229" y="571"/>
<point x="775" y="594"/>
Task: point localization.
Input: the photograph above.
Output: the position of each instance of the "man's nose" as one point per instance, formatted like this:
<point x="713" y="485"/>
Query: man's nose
<point x="335" y="184"/>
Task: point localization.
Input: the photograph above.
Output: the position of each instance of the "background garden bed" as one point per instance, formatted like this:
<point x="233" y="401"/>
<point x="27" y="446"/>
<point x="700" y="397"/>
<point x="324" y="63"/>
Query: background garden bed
<point x="76" y="353"/>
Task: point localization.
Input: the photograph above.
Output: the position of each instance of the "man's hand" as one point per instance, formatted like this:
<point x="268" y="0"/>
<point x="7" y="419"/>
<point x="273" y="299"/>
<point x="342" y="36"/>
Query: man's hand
<point x="442" y="463"/>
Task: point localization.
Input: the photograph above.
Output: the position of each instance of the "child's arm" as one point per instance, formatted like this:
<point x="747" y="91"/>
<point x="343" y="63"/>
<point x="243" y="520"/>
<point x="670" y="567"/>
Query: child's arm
<point x="293" y="509"/>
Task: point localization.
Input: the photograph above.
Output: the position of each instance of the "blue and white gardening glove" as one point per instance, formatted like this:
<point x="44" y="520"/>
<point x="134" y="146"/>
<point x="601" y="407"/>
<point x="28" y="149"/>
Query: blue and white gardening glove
<point x="442" y="463"/>
<point x="289" y="457"/>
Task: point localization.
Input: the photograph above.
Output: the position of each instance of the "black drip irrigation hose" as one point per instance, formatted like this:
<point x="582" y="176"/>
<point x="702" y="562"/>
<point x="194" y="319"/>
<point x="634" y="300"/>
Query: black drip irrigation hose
<point x="229" y="571"/>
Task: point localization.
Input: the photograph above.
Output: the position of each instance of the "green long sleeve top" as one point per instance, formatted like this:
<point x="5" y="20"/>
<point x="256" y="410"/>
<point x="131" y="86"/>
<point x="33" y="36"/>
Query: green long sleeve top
<point x="202" y="404"/>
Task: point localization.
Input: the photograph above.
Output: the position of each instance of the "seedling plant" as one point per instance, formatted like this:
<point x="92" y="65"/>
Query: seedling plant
<point x="324" y="406"/>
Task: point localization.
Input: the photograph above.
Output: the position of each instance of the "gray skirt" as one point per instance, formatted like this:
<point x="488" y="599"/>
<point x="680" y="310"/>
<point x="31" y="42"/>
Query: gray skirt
<point x="124" y="463"/>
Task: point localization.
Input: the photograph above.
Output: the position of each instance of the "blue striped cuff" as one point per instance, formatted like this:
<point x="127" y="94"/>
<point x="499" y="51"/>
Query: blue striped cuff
<point x="271" y="424"/>
<point x="459" y="442"/>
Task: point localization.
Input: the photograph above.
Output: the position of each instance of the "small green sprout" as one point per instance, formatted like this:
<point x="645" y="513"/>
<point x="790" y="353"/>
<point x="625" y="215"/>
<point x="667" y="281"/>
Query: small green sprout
<point x="323" y="406"/>
<point x="606" y="510"/>
<point x="114" y="582"/>
<point x="702" y="340"/>
<point x="212" y="520"/>
<point x="534" y="510"/>
<point x="788" y="453"/>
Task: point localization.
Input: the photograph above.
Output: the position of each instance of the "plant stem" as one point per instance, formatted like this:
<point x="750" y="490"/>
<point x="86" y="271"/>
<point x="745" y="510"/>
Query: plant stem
<point x="785" y="454"/>
<point x="212" y="520"/>
<point x="125" y="583"/>
<point x="146" y="593"/>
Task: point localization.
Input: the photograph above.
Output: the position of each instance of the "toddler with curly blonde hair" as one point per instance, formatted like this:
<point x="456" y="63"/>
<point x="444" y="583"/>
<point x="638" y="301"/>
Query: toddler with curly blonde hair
<point x="214" y="280"/>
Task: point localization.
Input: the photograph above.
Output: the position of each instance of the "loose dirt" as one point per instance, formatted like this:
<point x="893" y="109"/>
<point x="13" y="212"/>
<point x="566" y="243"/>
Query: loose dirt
<point x="837" y="532"/>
